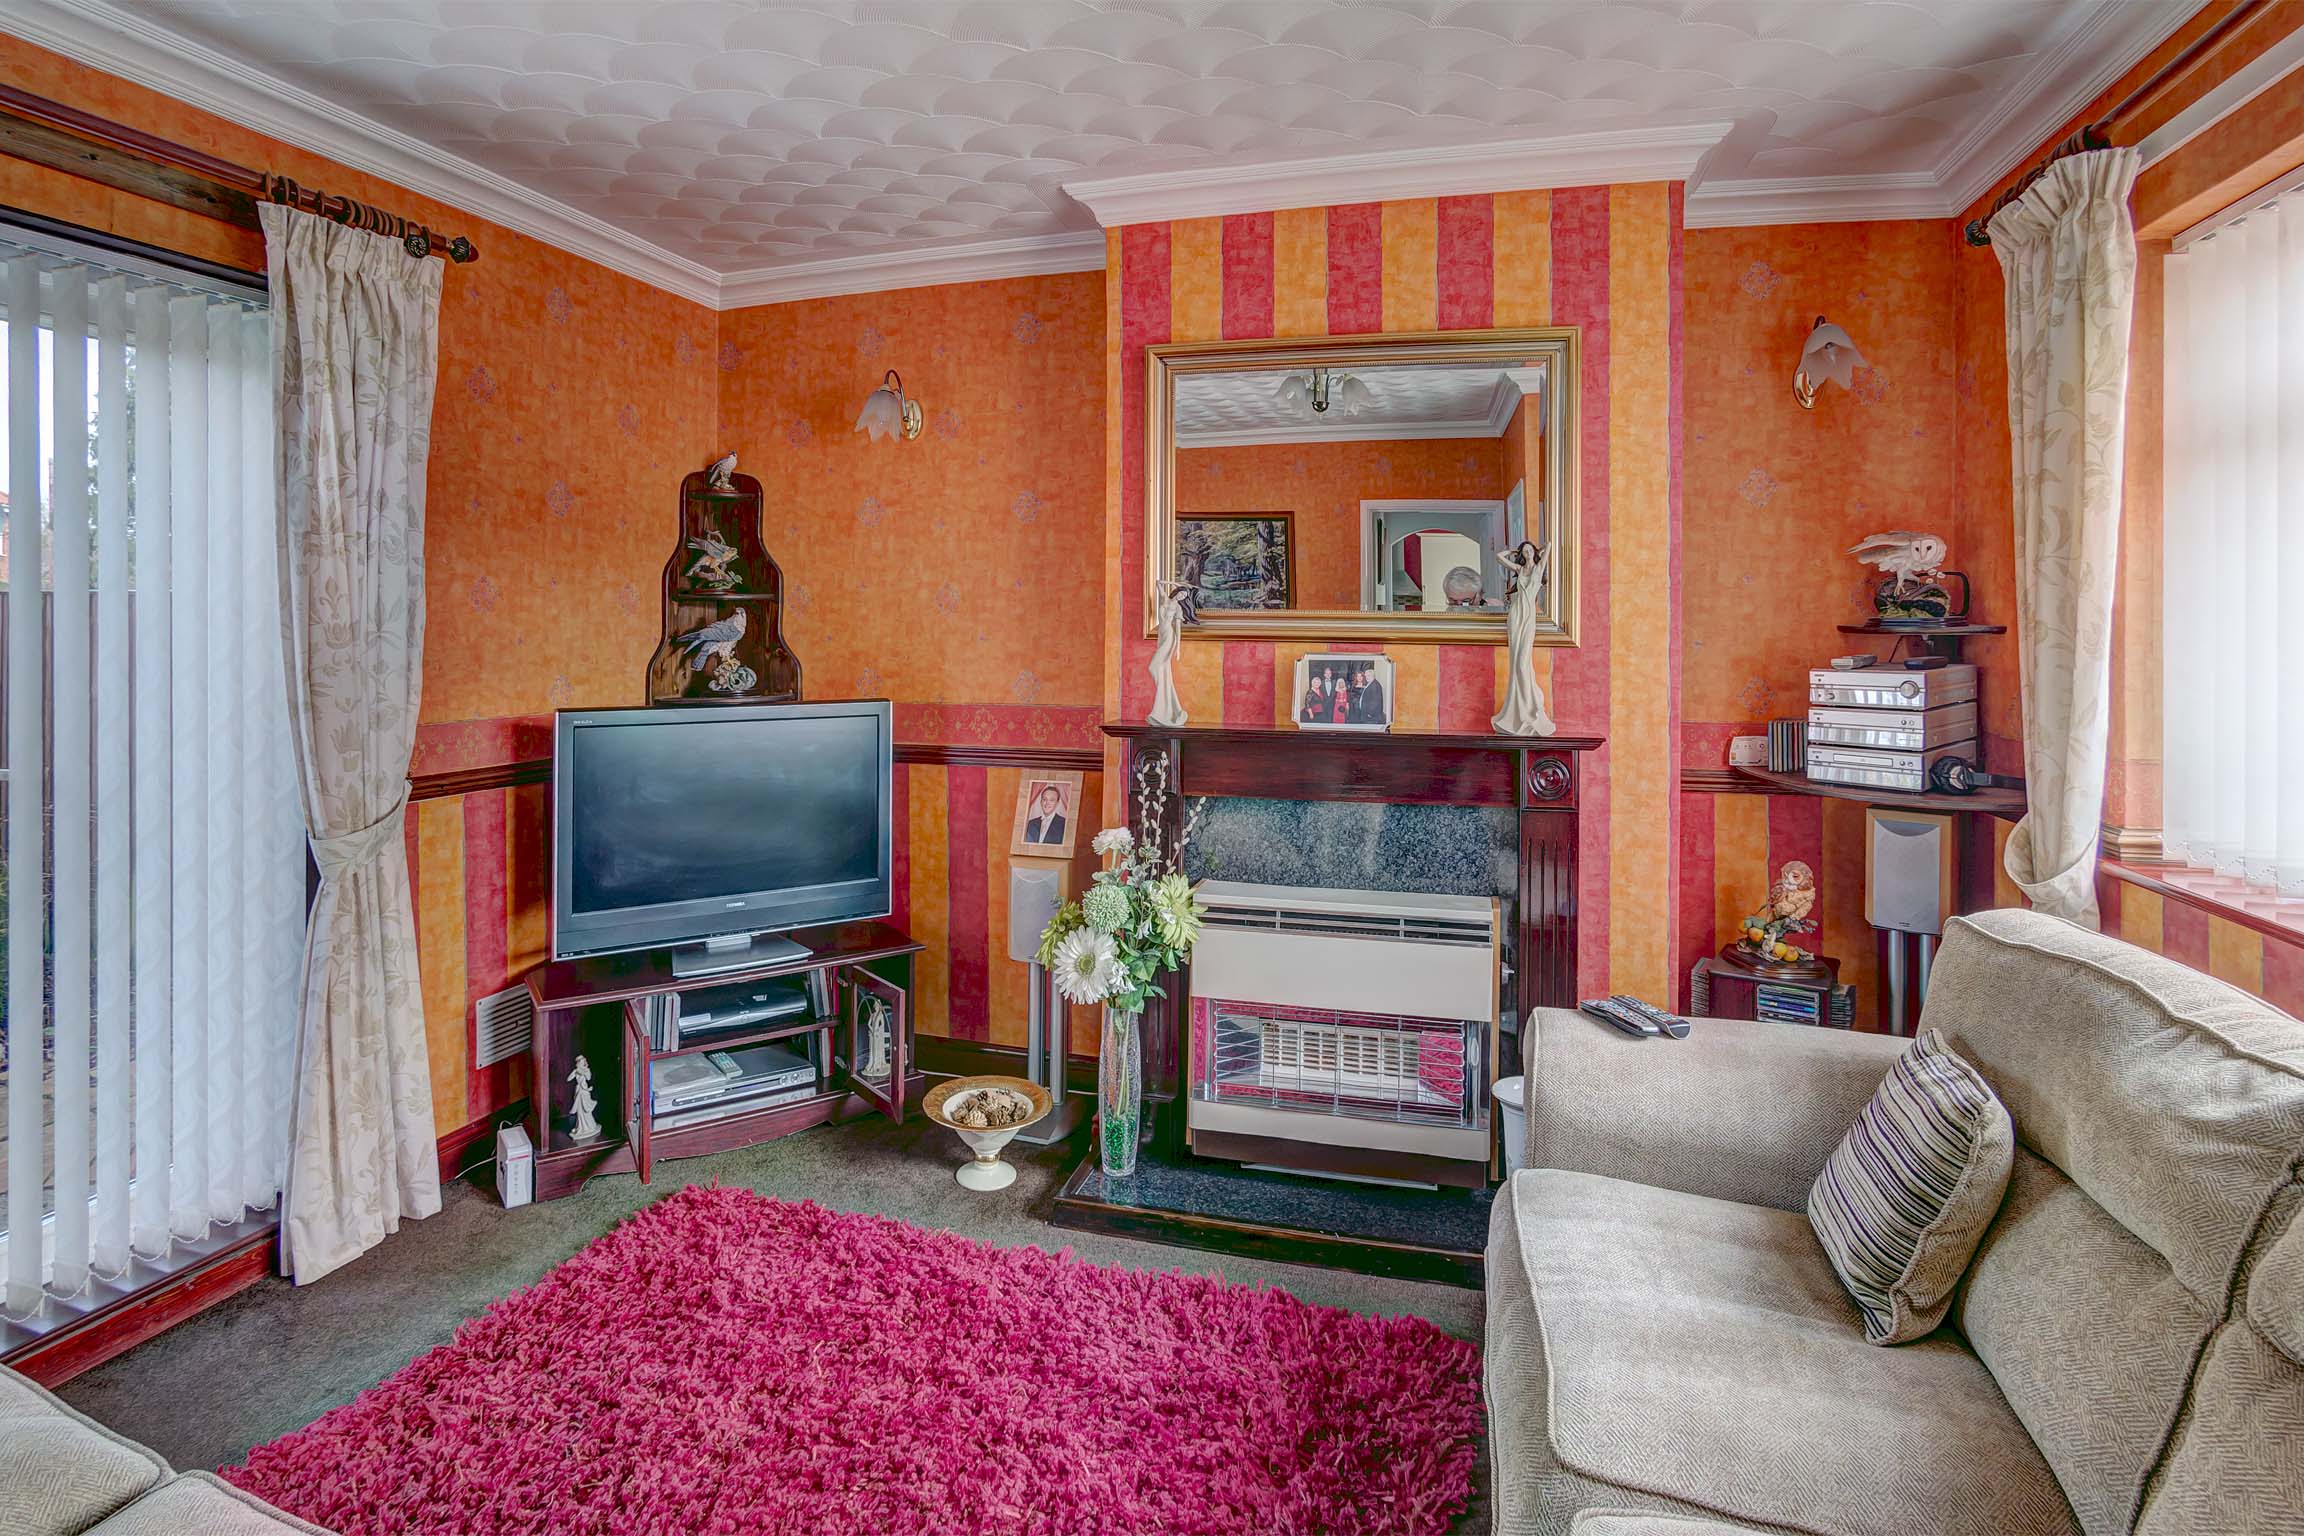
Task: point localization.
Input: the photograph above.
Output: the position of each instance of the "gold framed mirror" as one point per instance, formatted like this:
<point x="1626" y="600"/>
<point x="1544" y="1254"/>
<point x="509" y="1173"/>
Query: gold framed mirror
<point x="1362" y="487"/>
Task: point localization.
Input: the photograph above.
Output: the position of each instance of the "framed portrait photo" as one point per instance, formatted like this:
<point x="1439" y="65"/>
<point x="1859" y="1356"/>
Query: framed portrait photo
<point x="1343" y="691"/>
<point x="1047" y="816"/>
<point x="1238" y="561"/>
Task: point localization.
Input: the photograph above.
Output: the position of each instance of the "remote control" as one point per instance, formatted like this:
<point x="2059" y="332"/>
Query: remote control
<point x="1924" y="663"/>
<point x="1666" y="1023"/>
<point x="1623" y="1019"/>
<point x="1853" y="663"/>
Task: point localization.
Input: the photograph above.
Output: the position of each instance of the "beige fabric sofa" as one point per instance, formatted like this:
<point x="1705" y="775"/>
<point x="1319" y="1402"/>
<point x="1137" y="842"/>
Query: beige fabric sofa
<point x="1670" y="1354"/>
<point x="64" y="1474"/>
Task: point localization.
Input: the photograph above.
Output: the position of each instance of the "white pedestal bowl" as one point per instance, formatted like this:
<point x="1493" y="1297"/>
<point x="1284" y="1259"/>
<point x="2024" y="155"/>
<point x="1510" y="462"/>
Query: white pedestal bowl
<point x="984" y="1172"/>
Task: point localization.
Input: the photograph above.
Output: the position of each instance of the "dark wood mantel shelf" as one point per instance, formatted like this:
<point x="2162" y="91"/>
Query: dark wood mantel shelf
<point x="1388" y="767"/>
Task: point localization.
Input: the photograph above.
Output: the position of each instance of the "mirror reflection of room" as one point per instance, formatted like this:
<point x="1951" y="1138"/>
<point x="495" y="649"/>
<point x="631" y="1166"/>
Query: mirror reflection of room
<point x="1391" y="488"/>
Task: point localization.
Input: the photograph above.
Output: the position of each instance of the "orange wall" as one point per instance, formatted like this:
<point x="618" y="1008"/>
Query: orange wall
<point x="958" y="572"/>
<point x="962" y="567"/>
<point x="1778" y="494"/>
<point x="1324" y="484"/>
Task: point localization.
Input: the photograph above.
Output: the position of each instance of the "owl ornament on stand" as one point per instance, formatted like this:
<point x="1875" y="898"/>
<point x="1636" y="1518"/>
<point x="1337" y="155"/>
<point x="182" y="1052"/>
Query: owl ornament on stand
<point x="1912" y="593"/>
<point x="1764" y="944"/>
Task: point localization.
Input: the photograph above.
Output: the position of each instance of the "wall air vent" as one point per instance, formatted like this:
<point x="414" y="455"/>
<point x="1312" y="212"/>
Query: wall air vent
<point x="1421" y="929"/>
<point x="503" y="1025"/>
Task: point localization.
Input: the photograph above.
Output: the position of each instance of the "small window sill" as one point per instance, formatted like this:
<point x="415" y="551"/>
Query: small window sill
<point x="2251" y="906"/>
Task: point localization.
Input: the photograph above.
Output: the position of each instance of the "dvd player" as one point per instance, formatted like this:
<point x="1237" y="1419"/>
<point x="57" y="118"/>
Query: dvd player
<point x="730" y="1007"/>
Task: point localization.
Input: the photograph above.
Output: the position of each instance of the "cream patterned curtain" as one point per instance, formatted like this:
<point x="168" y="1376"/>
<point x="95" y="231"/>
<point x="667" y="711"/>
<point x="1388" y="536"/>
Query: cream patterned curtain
<point x="356" y="342"/>
<point x="2068" y="254"/>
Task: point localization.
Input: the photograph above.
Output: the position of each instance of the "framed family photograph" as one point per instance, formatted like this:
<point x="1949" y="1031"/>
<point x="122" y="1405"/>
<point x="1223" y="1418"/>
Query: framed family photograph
<point x="1349" y="691"/>
<point x="1047" y="816"/>
<point x="1238" y="561"/>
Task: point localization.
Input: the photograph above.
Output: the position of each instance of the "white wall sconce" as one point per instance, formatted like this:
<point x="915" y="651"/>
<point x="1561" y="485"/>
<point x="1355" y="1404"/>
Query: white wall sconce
<point x="888" y="413"/>
<point x="1828" y="357"/>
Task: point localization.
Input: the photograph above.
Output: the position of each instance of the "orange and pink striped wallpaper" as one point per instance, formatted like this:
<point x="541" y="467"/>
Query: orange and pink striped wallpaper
<point x="1604" y="259"/>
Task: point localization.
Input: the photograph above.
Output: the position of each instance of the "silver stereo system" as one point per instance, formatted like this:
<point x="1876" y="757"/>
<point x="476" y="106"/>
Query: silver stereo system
<point x="1892" y="688"/>
<point x="1893" y="730"/>
<point x="1885" y="727"/>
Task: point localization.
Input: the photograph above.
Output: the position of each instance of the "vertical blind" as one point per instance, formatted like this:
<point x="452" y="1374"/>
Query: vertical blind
<point x="155" y="854"/>
<point x="2233" y="551"/>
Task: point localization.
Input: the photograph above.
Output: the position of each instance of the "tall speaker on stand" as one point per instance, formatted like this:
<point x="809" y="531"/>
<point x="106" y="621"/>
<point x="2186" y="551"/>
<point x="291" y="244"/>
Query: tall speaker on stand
<point x="1909" y="886"/>
<point x="1036" y="888"/>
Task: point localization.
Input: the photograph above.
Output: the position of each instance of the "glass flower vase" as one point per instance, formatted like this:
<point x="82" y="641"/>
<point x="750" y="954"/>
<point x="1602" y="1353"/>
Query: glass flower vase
<point x="1120" y="1091"/>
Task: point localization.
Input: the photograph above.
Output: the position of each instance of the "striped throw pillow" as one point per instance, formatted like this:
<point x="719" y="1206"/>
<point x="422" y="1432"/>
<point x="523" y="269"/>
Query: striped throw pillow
<point x="1906" y="1196"/>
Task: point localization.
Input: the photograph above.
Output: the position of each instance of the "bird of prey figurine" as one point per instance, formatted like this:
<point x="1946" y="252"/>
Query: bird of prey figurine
<point x="1906" y="556"/>
<point x="720" y="474"/>
<point x="713" y="641"/>
<point x="709" y="570"/>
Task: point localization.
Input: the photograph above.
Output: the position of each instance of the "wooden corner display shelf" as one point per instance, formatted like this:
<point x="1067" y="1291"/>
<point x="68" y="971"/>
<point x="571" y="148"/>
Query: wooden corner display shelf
<point x="598" y="1006"/>
<point x="723" y="605"/>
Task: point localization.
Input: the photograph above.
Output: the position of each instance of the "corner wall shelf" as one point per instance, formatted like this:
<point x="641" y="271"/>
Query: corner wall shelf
<point x="1935" y="639"/>
<point x="2007" y="804"/>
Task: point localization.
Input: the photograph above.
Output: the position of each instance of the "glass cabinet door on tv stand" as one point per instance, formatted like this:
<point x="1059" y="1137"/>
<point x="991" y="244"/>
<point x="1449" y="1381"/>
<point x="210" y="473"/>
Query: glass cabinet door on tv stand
<point x="618" y="1014"/>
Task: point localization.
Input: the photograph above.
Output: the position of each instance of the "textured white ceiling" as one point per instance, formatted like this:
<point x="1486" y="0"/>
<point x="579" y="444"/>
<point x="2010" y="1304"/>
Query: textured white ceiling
<point x="743" y="134"/>
<point x="770" y="148"/>
<point x="1449" y="400"/>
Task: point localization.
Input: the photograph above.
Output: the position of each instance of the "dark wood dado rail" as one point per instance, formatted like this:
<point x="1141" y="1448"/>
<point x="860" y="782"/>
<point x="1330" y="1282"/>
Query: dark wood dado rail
<point x="449" y="782"/>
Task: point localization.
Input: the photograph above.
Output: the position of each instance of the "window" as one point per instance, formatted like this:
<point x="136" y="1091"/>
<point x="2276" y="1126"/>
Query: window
<point x="2233" y="547"/>
<point x="153" y="906"/>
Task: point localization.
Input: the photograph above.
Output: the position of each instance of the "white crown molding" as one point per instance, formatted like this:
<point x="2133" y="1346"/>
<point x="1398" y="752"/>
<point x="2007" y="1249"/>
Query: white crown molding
<point x="1816" y="200"/>
<point x="2105" y="44"/>
<point x="120" y="42"/>
<point x="976" y="261"/>
<point x="1374" y="176"/>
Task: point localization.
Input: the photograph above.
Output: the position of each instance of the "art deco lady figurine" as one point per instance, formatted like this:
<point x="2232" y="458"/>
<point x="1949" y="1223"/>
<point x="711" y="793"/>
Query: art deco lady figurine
<point x="587" y="1125"/>
<point x="1523" y="713"/>
<point x="1173" y="612"/>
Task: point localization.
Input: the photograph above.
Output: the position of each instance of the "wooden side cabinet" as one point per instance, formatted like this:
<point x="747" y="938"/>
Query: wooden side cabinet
<point x="599" y="1008"/>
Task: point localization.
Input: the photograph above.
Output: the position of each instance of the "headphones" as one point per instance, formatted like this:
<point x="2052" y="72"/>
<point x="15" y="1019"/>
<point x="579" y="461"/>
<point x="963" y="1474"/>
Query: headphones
<point x="1957" y="776"/>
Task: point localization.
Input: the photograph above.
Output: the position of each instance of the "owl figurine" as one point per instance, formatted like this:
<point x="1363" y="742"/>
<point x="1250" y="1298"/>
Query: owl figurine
<point x="1793" y="896"/>
<point x="1905" y="557"/>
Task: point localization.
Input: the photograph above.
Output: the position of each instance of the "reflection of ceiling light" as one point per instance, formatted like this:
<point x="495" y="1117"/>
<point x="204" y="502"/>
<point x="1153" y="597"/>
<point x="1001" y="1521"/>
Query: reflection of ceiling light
<point x="887" y="413"/>
<point x="1321" y="390"/>
<point x="1827" y="357"/>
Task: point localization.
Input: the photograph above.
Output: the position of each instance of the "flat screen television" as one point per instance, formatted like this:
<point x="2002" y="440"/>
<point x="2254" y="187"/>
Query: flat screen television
<point x="710" y="831"/>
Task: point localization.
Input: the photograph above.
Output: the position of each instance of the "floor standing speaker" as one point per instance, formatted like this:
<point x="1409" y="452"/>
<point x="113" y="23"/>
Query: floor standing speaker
<point x="1909" y="881"/>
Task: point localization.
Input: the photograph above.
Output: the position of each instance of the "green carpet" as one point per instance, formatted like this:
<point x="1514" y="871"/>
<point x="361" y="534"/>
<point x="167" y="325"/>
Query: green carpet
<point x="276" y="1357"/>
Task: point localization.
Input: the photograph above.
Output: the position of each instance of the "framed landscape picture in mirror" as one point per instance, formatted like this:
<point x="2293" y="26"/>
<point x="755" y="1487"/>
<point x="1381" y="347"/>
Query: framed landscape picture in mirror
<point x="1363" y="487"/>
<point x="1238" y="561"/>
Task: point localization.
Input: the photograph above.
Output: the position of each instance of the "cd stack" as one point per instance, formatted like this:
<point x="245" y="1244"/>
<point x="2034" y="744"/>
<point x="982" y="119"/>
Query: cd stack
<point x="1882" y="728"/>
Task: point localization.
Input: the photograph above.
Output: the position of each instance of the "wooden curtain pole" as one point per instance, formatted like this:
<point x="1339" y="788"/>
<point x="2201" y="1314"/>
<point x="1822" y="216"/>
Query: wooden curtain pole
<point x="2098" y="134"/>
<point x="97" y="149"/>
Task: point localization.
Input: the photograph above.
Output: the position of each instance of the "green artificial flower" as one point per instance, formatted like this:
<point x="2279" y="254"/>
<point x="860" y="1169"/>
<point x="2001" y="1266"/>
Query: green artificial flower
<point x="1105" y="907"/>
<point x="1175" y="913"/>
<point x="1061" y="926"/>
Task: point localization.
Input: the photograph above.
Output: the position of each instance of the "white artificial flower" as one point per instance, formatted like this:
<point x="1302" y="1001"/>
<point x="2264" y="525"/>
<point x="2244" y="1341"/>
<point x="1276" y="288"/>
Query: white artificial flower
<point x="1114" y="840"/>
<point x="1087" y="966"/>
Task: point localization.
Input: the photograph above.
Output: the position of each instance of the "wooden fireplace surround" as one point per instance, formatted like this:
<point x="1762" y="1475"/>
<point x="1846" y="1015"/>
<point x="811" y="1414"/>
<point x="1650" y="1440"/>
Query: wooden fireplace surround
<point x="1538" y="777"/>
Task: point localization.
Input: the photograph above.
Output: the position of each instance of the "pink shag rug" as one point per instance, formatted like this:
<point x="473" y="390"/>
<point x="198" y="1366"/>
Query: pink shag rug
<point x="727" y="1363"/>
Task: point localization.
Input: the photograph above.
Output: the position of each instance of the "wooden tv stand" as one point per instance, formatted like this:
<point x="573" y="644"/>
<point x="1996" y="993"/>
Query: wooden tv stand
<point x="599" y="1006"/>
